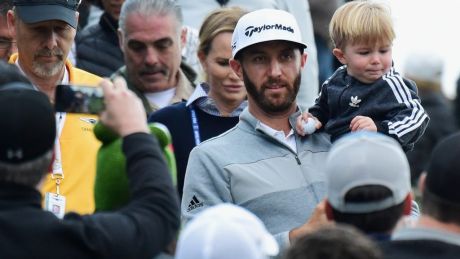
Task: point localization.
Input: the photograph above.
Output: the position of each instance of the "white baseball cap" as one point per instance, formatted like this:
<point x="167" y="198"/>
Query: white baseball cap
<point x="226" y="231"/>
<point x="265" y="25"/>
<point x="366" y="158"/>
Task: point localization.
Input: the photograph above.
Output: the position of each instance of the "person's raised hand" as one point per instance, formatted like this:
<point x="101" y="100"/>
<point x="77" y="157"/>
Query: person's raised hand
<point x="124" y="112"/>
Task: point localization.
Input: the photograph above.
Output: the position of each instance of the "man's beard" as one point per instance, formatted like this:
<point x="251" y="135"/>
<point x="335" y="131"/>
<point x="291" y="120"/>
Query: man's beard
<point x="48" y="69"/>
<point x="272" y="105"/>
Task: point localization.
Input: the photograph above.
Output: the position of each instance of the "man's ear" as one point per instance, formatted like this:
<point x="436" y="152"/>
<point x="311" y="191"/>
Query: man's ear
<point x="237" y="67"/>
<point x="120" y="39"/>
<point x="338" y="53"/>
<point x="11" y="20"/>
<point x="407" y="205"/>
<point x="303" y="59"/>
<point x="328" y="209"/>
<point x="183" y="37"/>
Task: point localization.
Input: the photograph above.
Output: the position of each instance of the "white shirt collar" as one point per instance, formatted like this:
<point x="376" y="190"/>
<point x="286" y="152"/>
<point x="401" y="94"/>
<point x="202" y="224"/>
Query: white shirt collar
<point x="288" y="139"/>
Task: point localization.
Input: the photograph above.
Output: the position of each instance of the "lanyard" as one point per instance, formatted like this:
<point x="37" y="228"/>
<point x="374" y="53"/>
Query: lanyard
<point x="58" y="173"/>
<point x="195" y="126"/>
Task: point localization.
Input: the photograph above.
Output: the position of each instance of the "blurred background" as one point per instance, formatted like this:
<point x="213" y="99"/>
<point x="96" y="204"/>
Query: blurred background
<point x="431" y="26"/>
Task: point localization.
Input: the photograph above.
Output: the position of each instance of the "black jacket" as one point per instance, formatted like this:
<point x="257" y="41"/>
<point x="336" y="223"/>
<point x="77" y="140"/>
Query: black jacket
<point x="98" y="51"/>
<point x="391" y="102"/>
<point x="419" y="249"/>
<point x="141" y="229"/>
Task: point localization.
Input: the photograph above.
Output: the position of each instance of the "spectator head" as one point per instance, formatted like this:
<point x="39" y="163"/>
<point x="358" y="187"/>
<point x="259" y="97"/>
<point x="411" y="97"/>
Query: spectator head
<point x="226" y="231"/>
<point x="150" y="38"/>
<point x="28" y="133"/>
<point x="112" y="7"/>
<point x="214" y="52"/>
<point x="361" y="22"/>
<point x="44" y="31"/>
<point x="335" y="242"/>
<point x="7" y="43"/>
<point x="368" y="182"/>
<point x="425" y="69"/>
<point x="440" y="193"/>
<point x="269" y="56"/>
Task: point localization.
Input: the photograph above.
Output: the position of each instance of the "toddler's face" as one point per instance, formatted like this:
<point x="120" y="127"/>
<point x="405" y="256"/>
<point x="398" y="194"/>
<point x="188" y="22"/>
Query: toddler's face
<point x="366" y="62"/>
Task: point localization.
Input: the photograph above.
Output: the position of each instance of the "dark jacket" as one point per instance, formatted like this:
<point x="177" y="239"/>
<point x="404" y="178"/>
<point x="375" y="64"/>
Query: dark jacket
<point x="442" y="124"/>
<point x="419" y="249"/>
<point x="391" y="102"/>
<point x="98" y="50"/>
<point x="141" y="229"/>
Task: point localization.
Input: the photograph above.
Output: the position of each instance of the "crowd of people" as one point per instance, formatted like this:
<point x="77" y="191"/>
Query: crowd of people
<point x="375" y="179"/>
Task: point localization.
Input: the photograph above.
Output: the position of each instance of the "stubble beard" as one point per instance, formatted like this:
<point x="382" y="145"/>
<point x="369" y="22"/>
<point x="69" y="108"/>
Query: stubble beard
<point x="48" y="70"/>
<point x="271" y="105"/>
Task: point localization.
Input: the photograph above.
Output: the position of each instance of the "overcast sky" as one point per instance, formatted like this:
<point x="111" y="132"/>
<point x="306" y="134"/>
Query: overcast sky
<point x="432" y="26"/>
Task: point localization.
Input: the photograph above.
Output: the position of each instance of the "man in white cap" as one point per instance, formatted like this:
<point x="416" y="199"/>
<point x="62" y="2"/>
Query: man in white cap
<point x="368" y="183"/>
<point x="262" y="164"/>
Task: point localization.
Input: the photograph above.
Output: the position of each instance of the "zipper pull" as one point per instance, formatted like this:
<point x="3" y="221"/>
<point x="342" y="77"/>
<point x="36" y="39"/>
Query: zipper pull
<point x="298" y="160"/>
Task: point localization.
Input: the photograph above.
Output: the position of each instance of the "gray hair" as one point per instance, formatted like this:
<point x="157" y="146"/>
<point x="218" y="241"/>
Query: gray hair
<point x="150" y="8"/>
<point x="28" y="173"/>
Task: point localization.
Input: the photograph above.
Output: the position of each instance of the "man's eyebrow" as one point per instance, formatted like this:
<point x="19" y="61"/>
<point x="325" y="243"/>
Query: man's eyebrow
<point x="163" y="40"/>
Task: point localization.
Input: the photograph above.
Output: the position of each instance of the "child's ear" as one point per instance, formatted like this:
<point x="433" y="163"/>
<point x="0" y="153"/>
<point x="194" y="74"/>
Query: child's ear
<point x="338" y="53"/>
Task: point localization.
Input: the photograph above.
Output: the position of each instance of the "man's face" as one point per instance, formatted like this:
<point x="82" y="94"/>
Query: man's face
<point x="7" y="44"/>
<point x="43" y="46"/>
<point x="271" y="74"/>
<point x="151" y="47"/>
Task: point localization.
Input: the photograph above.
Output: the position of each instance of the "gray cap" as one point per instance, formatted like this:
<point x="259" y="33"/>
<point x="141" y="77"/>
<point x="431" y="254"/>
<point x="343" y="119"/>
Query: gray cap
<point x="33" y="11"/>
<point x="366" y="158"/>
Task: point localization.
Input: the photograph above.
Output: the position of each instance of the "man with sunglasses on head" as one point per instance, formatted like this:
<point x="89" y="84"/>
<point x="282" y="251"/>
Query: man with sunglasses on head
<point x="44" y="31"/>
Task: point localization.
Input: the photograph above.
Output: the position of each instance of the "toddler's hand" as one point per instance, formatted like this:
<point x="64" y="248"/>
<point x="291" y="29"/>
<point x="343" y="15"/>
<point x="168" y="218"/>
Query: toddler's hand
<point x="362" y="123"/>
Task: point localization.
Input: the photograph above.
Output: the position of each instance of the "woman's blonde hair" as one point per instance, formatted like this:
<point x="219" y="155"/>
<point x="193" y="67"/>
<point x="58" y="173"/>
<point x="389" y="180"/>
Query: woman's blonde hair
<point x="365" y="22"/>
<point x="218" y="21"/>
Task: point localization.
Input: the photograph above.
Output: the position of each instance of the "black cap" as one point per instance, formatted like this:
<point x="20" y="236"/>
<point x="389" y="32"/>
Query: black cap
<point x="33" y="11"/>
<point x="443" y="173"/>
<point x="27" y="123"/>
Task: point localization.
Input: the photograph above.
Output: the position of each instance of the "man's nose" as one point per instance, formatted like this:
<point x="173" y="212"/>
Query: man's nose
<point x="51" y="40"/>
<point x="275" y="68"/>
<point x="151" y="57"/>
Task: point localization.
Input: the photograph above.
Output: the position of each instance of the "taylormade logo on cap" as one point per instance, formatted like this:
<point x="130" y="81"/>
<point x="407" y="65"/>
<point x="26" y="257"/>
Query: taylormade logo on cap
<point x="251" y="29"/>
<point x="265" y="25"/>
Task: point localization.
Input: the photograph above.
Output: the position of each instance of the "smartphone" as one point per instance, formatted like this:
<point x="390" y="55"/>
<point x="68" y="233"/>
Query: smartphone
<point x="79" y="99"/>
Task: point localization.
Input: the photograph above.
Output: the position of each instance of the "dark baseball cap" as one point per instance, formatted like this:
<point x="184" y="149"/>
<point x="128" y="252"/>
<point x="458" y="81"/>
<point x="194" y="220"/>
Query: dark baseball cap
<point x="33" y="11"/>
<point x="27" y="121"/>
<point x="443" y="172"/>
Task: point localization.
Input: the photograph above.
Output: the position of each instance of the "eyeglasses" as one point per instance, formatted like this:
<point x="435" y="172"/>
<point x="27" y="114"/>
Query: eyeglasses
<point x="6" y="44"/>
